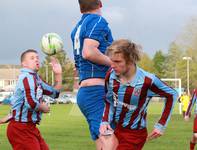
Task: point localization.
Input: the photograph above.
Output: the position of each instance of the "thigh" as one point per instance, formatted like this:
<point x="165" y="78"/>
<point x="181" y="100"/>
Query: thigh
<point x="34" y="140"/>
<point x="109" y="142"/>
<point x="43" y="145"/>
<point x="21" y="138"/>
<point x="131" y="139"/>
<point x="91" y="103"/>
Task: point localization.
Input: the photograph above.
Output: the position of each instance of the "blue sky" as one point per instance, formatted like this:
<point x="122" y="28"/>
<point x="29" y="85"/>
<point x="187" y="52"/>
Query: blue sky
<point x="152" y="23"/>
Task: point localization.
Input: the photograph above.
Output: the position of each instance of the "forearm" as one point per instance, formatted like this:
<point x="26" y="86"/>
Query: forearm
<point x="99" y="58"/>
<point x="58" y="81"/>
<point x="5" y="119"/>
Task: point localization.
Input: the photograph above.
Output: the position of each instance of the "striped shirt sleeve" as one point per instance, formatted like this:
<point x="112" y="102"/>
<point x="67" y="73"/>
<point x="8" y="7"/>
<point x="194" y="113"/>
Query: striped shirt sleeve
<point x="163" y="90"/>
<point x="108" y="100"/>
<point x="29" y="83"/>
<point x="49" y="90"/>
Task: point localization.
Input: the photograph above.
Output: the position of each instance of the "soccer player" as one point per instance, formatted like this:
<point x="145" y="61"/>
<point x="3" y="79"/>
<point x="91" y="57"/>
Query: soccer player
<point x="90" y="37"/>
<point x="187" y="116"/>
<point x="184" y="100"/>
<point x="27" y="105"/>
<point x="128" y="92"/>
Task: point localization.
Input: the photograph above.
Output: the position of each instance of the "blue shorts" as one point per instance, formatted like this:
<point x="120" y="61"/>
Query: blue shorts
<point x="91" y="103"/>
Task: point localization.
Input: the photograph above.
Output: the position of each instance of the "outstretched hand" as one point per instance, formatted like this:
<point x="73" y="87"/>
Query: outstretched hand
<point x="6" y="119"/>
<point x="56" y="67"/>
<point x="154" y="134"/>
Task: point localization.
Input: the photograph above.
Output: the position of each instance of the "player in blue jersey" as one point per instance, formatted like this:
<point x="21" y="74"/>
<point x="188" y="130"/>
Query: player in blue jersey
<point x="27" y="103"/>
<point x="90" y="37"/>
<point x="193" y="102"/>
<point x="128" y="92"/>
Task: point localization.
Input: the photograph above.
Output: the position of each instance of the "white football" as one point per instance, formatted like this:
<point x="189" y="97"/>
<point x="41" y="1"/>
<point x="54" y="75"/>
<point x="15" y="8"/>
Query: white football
<point x="51" y="43"/>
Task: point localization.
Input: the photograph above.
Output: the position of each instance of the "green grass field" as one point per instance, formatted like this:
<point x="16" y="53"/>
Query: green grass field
<point x="66" y="129"/>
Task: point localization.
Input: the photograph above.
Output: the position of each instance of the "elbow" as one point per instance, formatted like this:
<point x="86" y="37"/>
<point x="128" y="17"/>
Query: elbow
<point x="86" y="55"/>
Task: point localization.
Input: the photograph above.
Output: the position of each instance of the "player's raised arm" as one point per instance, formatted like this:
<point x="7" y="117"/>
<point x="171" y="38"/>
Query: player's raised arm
<point x="57" y="69"/>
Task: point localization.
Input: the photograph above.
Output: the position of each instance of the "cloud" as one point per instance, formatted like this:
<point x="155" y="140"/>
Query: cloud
<point x="114" y="14"/>
<point x="152" y="23"/>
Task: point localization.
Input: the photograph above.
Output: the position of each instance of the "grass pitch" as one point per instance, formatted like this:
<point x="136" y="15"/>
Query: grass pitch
<point x="65" y="129"/>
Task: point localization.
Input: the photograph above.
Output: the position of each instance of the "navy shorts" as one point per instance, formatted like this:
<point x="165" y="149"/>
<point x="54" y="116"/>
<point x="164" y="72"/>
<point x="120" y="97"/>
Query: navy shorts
<point x="91" y="103"/>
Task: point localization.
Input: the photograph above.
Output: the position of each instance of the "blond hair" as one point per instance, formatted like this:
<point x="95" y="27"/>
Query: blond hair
<point x="129" y="50"/>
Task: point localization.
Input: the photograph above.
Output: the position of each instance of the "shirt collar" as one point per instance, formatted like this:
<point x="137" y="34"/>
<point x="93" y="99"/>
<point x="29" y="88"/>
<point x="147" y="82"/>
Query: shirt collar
<point x="27" y="70"/>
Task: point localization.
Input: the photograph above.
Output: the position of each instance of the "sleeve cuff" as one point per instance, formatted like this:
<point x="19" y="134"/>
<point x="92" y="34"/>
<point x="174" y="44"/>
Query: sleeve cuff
<point x="159" y="127"/>
<point x="37" y="106"/>
<point x="55" y="94"/>
<point x="104" y="123"/>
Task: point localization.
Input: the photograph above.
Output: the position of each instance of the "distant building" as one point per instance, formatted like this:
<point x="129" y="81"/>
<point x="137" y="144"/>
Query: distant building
<point x="8" y="76"/>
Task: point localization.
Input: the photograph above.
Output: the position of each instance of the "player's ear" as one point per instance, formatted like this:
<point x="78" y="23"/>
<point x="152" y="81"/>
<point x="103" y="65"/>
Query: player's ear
<point x="100" y="4"/>
<point x="23" y="64"/>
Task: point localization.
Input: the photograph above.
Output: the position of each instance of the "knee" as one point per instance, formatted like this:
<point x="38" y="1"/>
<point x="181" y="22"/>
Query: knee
<point x="195" y="135"/>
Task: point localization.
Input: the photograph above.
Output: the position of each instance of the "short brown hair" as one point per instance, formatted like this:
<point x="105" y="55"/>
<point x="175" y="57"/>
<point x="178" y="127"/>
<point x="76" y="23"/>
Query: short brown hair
<point x="27" y="51"/>
<point x="89" y="5"/>
<point x="129" y="50"/>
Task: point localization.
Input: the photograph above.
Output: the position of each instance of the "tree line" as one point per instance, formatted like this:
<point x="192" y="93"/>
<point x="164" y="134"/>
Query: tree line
<point x="172" y="64"/>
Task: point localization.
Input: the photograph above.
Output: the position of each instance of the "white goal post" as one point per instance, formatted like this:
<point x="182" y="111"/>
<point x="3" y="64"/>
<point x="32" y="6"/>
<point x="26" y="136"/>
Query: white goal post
<point x="179" y="88"/>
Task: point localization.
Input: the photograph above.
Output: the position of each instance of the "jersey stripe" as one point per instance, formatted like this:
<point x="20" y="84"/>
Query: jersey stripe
<point x="21" y="111"/>
<point x="146" y="85"/>
<point x="28" y="93"/>
<point x="127" y="98"/>
<point x="116" y="86"/>
<point x="106" y="111"/>
<point x="94" y="26"/>
<point x="29" y="116"/>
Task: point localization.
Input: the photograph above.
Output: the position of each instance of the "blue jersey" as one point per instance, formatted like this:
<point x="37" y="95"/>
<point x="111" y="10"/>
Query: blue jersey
<point x="28" y="95"/>
<point x="91" y="26"/>
<point x="126" y="104"/>
<point x="192" y="102"/>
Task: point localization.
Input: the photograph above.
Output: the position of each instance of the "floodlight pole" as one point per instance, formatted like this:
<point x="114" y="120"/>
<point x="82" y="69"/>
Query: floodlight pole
<point x="187" y="59"/>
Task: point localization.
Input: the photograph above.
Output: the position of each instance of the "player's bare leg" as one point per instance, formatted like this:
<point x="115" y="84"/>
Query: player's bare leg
<point x="109" y="142"/>
<point x="98" y="144"/>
